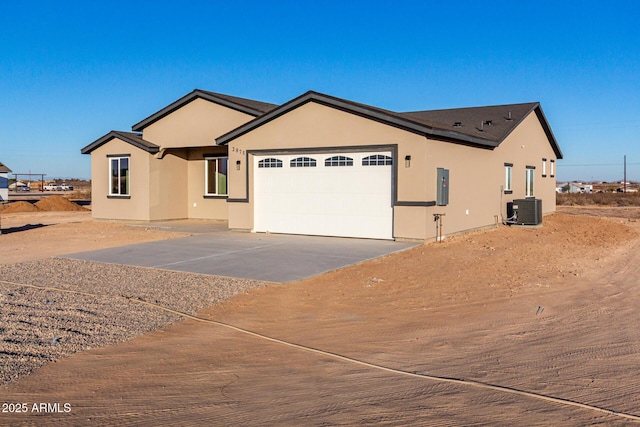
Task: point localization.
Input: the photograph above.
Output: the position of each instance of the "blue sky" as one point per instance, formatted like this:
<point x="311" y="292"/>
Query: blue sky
<point x="71" y="71"/>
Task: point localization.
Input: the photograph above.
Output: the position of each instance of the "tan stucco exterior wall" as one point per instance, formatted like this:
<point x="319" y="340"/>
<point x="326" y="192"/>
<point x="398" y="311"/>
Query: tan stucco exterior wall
<point x="476" y="174"/>
<point x="477" y="179"/>
<point x="164" y="187"/>
<point x="179" y="178"/>
<point x="472" y="181"/>
<point x="195" y="124"/>
<point x="173" y="180"/>
<point x="168" y="186"/>
<point x="527" y="146"/>
<point x="137" y="206"/>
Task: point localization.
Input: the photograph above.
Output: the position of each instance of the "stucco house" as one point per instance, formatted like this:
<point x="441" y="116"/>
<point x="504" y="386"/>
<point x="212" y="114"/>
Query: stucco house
<point x="322" y="165"/>
<point x="4" y="182"/>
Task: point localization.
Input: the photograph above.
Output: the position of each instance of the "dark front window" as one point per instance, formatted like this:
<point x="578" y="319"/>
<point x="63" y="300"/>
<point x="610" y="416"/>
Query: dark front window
<point x="216" y="173"/>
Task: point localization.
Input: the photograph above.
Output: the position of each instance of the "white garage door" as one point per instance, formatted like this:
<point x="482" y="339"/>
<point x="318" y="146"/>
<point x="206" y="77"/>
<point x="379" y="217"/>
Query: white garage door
<point x="343" y="194"/>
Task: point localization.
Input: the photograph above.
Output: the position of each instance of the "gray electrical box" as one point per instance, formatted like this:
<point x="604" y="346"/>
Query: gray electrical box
<point x="442" y="180"/>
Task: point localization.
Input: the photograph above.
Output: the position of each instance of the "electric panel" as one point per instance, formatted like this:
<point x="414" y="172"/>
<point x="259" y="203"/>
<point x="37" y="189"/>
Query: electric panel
<point x="442" y="179"/>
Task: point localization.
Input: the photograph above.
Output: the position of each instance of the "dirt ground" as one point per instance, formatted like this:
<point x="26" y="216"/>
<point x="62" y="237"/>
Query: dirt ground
<point x="510" y="326"/>
<point x="28" y="236"/>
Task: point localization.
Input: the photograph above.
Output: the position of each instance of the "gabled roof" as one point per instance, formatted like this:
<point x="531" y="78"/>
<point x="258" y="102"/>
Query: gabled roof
<point x="4" y="168"/>
<point x="436" y="123"/>
<point x="248" y="106"/>
<point x="132" y="138"/>
<point x="494" y="122"/>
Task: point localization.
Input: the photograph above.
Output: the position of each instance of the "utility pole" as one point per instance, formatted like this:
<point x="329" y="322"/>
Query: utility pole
<point x="625" y="174"/>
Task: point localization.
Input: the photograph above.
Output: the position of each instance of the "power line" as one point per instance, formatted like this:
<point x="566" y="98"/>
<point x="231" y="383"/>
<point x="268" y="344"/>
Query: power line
<point x="599" y="164"/>
<point x="617" y="124"/>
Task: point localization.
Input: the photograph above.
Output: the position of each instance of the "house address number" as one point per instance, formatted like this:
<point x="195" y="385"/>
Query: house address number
<point x="237" y="150"/>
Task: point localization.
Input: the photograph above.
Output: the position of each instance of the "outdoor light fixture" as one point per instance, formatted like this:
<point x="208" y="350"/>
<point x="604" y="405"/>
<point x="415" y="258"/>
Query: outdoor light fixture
<point x="407" y="161"/>
<point x="237" y="165"/>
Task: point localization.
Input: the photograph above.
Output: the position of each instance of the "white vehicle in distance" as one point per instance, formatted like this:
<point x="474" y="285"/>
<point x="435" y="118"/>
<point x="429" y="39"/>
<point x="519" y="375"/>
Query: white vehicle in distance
<point x="58" y="187"/>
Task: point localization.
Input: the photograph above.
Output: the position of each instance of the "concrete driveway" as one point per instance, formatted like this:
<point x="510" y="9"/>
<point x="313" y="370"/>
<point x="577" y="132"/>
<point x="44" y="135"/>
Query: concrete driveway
<point x="212" y="249"/>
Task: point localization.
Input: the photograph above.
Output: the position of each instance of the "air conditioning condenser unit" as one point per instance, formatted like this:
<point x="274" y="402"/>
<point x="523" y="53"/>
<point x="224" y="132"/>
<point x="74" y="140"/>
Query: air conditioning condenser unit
<point x="529" y="211"/>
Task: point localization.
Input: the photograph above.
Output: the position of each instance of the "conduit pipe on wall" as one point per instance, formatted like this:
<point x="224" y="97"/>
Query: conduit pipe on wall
<point x="437" y="217"/>
<point x="501" y="216"/>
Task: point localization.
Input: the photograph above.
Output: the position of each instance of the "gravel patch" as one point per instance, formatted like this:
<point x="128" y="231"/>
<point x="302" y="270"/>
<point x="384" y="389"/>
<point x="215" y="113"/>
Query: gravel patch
<point x="40" y="326"/>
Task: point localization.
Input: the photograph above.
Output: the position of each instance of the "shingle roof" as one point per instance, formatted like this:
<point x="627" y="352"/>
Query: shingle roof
<point x="129" y="137"/>
<point x="247" y="106"/>
<point x="260" y="106"/>
<point x="497" y="121"/>
<point x="4" y="168"/>
<point x="493" y="123"/>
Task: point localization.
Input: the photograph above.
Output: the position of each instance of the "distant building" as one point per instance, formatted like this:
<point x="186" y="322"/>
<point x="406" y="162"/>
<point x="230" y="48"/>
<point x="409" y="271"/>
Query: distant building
<point x="581" y="188"/>
<point x="4" y="182"/>
<point x="574" y="187"/>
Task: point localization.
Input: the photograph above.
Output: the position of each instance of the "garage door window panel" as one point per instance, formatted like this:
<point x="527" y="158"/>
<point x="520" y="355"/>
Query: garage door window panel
<point x="303" y="162"/>
<point x="377" y="160"/>
<point x="271" y="162"/>
<point x="338" y="161"/>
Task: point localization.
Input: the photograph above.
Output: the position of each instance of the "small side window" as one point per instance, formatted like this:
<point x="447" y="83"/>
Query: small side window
<point x="508" y="168"/>
<point x="529" y="185"/>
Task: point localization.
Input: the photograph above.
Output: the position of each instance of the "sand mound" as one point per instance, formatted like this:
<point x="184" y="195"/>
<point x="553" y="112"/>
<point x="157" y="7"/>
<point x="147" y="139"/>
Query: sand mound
<point x="18" y="207"/>
<point x="57" y="203"/>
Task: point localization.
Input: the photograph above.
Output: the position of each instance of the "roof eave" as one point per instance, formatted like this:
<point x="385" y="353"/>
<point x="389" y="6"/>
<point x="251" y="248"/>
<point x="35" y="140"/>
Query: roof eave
<point x="192" y="96"/>
<point x="152" y="148"/>
<point x="548" y="132"/>
<point x="464" y="139"/>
